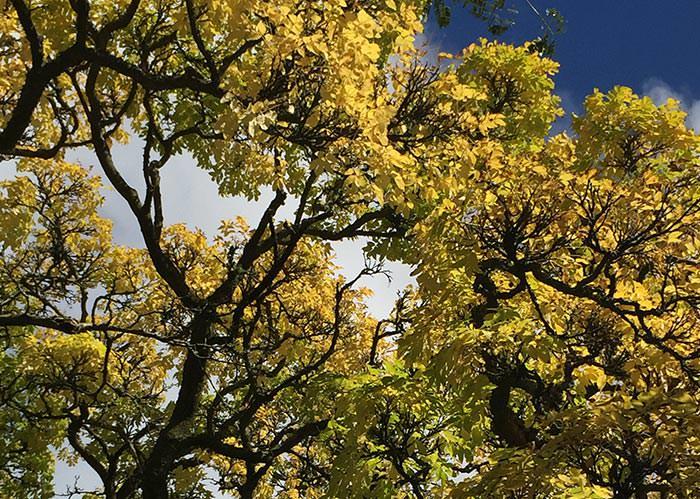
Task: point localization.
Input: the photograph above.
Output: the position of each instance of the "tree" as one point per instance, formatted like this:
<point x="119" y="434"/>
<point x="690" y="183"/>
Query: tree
<point x="547" y="350"/>
<point x="565" y="299"/>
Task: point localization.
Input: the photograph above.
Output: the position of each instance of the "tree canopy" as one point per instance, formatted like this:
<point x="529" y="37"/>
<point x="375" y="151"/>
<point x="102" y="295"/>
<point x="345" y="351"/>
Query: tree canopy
<point x="550" y="347"/>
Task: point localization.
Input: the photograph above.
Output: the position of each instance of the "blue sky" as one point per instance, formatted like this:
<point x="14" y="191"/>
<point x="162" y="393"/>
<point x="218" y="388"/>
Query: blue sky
<point x="644" y="44"/>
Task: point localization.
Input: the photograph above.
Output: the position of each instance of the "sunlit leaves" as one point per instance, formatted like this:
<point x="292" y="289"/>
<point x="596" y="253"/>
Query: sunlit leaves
<point x="549" y="347"/>
<point x="577" y="261"/>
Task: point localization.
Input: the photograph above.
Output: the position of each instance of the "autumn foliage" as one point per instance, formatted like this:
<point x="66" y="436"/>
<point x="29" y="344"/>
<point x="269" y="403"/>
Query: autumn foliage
<point x="550" y="347"/>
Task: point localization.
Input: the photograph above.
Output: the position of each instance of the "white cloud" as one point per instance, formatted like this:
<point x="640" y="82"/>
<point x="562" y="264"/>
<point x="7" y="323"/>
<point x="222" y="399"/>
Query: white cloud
<point x="659" y="91"/>
<point x="81" y="475"/>
<point x="693" y="119"/>
<point x="430" y="44"/>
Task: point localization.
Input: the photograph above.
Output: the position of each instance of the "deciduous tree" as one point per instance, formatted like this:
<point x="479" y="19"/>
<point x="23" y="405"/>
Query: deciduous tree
<point x="548" y="349"/>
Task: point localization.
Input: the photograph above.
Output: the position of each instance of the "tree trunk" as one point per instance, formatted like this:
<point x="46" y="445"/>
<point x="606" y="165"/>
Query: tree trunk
<point x="154" y="487"/>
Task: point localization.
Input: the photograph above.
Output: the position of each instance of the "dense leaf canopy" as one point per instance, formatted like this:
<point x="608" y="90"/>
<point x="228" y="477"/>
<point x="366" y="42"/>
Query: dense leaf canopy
<point x="550" y="347"/>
